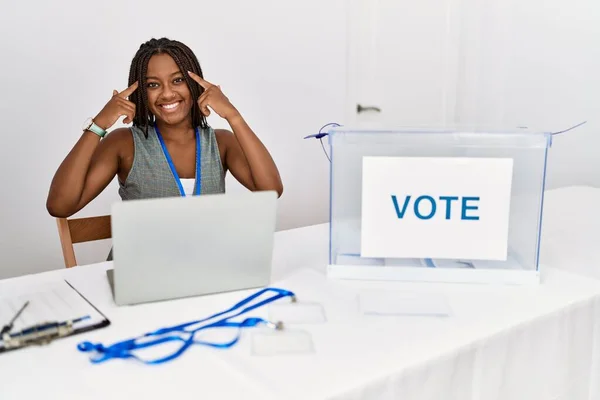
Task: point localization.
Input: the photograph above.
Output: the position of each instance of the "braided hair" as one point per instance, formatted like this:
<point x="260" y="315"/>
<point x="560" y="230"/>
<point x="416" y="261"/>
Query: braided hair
<point x="185" y="60"/>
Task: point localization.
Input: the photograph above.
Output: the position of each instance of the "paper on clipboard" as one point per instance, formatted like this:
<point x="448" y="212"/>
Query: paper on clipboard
<point x="48" y="302"/>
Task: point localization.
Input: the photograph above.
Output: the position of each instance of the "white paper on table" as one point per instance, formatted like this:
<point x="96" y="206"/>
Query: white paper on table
<point x="404" y="303"/>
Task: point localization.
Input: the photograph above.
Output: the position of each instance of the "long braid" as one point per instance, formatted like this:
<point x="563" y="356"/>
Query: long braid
<point x="185" y="60"/>
<point x="145" y="118"/>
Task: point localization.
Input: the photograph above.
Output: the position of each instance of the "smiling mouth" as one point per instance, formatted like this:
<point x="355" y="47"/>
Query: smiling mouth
<point x="170" y="106"/>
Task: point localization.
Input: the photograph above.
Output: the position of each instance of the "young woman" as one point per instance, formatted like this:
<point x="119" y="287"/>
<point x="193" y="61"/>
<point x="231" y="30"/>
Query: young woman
<point x="170" y="150"/>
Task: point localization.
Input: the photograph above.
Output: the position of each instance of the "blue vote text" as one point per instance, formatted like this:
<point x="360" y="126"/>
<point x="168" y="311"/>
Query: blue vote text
<point x="427" y="207"/>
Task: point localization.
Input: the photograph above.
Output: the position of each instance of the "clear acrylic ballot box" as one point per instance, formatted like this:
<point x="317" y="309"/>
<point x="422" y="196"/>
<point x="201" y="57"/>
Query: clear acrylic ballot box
<point x="447" y="205"/>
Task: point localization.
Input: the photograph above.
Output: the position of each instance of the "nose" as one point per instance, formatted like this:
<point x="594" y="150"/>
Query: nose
<point x="168" y="92"/>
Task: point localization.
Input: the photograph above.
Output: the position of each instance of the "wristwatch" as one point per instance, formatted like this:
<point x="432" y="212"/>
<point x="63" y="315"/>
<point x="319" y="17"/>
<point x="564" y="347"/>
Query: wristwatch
<point x="89" y="125"/>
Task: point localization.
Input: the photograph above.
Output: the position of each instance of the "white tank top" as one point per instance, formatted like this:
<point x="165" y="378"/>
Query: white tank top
<point x="188" y="186"/>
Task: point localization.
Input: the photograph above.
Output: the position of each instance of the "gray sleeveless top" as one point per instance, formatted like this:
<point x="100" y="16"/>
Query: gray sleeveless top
<point x="151" y="177"/>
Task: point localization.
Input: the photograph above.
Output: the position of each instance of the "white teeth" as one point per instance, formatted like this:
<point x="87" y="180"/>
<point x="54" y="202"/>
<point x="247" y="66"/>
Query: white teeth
<point x="170" y="106"/>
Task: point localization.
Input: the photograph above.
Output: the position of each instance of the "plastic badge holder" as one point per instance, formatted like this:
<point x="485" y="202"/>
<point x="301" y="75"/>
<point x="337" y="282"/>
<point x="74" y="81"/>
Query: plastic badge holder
<point x="282" y="342"/>
<point x="288" y="341"/>
<point x="297" y="313"/>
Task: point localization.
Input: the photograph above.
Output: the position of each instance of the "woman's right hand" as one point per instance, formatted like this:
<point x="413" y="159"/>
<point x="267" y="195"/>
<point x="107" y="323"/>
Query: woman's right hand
<point x="116" y="107"/>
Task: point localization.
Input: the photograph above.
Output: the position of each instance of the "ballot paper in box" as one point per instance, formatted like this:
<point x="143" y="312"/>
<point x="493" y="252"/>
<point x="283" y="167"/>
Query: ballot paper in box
<point x="447" y="205"/>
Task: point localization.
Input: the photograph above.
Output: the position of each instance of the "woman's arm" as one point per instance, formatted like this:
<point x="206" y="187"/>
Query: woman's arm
<point x="248" y="159"/>
<point x="92" y="163"/>
<point x="245" y="155"/>
<point x="84" y="173"/>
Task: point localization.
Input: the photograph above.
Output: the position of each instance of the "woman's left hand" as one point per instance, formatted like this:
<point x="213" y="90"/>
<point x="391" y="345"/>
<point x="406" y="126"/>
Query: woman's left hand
<point x="213" y="97"/>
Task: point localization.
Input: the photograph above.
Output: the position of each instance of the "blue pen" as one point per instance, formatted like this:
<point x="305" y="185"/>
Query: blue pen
<point x="8" y="327"/>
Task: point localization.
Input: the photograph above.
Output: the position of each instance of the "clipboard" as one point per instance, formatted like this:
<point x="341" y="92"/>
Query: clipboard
<point x="54" y="310"/>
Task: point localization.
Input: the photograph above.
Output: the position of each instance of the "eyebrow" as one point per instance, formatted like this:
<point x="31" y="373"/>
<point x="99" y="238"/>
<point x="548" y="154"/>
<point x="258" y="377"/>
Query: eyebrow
<point x="174" y="73"/>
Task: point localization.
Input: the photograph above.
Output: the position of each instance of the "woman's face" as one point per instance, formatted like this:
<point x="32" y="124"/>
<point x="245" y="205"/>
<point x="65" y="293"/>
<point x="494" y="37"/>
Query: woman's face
<point x="169" y="97"/>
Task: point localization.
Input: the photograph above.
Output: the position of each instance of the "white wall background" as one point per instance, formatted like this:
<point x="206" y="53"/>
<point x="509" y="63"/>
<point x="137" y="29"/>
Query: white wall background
<point x="487" y="62"/>
<point x="536" y="63"/>
<point x="281" y="63"/>
<point x="285" y="65"/>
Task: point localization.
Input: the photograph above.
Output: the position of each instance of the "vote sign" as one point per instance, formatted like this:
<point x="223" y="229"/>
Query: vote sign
<point x="445" y="208"/>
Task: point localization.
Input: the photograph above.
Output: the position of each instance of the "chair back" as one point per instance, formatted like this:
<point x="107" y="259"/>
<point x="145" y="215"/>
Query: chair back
<point x="79" y="230"/>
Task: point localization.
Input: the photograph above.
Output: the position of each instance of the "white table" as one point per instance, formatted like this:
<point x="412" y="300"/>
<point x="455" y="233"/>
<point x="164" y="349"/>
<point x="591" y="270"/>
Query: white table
<point x="501" y="342"/>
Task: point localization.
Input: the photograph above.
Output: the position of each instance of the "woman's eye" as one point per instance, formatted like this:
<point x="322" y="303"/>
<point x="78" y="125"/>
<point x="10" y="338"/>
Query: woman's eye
<point x="152" y="84"/>
<point x="178" y="80"/>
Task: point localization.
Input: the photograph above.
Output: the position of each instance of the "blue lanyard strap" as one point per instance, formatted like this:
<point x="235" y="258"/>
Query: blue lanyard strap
<point x="186" y="332"/>
<point x="172" y="166"/>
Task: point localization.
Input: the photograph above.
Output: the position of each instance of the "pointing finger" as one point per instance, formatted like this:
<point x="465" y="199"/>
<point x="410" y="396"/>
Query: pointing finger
<point x="201" y="82"/>
<point x="127" y="92"/>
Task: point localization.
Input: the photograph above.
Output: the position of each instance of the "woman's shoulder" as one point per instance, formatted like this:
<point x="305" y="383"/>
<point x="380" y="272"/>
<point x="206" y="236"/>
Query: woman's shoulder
<point x="119" y="135"/>
<point x="119" y="132"/>
<point x="119" y="140"/>
<point x="223" y="134"/>
<point x="223" y="138"/>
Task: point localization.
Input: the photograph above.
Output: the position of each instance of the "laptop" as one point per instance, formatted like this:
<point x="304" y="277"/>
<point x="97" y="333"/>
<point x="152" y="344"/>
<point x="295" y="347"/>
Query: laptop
<point x="178" y="247"/>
